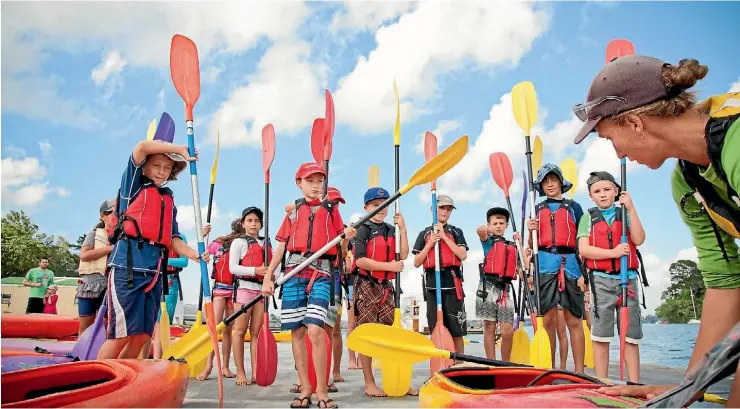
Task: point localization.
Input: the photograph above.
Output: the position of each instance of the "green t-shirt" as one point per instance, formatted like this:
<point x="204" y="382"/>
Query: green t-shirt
<point x="716" y="271"/>
<point x="38" y="275"/>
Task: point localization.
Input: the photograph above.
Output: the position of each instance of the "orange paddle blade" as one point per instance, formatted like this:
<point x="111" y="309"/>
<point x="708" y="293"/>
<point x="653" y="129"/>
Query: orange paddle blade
<point x="266" y="355"/>
<point x="328" y="125"/>
<point x="211" y="323"/>
<point x="317" y="141"/>
<point x="268" y="150"/>
<point x="618" y="48"/>
<point x="442" y="339"/>
<point x="624" y="323"/>
<point x="185" y="71"/>
<point x="430" y="151"/>
<point x="501" y="171"/>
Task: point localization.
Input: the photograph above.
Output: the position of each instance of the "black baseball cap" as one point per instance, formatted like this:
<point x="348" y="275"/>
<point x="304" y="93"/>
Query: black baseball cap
<point x="599" y="176"/>
<point x="497" y="211"/>
<point x="107" y="206"/>
<point x="255" y="210"/>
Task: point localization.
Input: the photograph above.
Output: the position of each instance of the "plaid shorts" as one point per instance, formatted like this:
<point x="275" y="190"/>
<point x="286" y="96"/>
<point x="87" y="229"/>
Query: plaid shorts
<point x="374" y="302"/>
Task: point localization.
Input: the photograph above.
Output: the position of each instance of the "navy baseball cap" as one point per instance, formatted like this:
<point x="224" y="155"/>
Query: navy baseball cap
<point x="376" y="193"/>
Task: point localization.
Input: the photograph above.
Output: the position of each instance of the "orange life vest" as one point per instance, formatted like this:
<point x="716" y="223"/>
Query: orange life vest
<point x="558" y="228"/>
<point x="608" y="237"/>
<point x="312" y="228"/>
<point x="446" y="256"/>
<point x="501" y="259"/>
<point x="380" y="247"/>
<point x="255" y="257"/>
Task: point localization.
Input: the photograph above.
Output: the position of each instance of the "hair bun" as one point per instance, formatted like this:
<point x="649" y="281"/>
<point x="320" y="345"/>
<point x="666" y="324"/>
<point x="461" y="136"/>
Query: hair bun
<point x="686" y="74"/>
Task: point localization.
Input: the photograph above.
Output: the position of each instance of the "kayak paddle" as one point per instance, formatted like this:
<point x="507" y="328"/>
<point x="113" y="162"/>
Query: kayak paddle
<point x="194" y="345"/>
<point x="185" y="72"/>
<point x="503" y="176"/>
<point x="150" y="131"/>
<point x="373" y="176"/>
<point x="88" y="344"/>
<point x="529" y="302"/>
<point x="440" y="334"/>
<point x="537" y="154"/>
<point x="317" y="141"/>
<point x="524" y="101"/>
<point x="396" y="377"/>
<point x="328" y="135"/>
<point x="266" y="345"/>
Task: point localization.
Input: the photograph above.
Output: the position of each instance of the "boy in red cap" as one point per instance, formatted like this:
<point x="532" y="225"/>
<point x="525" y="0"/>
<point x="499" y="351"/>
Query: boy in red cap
<point x="305" y="230"/>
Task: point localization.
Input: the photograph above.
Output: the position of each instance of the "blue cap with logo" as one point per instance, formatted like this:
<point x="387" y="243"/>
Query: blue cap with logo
<point x="376" y="193"/>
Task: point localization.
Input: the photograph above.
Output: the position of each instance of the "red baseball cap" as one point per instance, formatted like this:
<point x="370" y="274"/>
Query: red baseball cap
<point x="309" y="168"/>
<point x="334" y="195"/>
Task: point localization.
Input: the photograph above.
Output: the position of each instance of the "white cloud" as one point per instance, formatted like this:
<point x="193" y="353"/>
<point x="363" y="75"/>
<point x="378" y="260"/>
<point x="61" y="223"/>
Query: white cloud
<point x="445" y="37"/>
<point x="46" y="148"/>
<point x="23" y="182"/>
<point x="63" y="192"/>
<point x="367" y="15"/>
<point x="600" y="155"/>
<point x="735" y="87"/>
<point x="443" y="128"/>
<point x="111" y="65"/>
<point x="285" y="91"/>
<point x="186" y="217"/>
<point x="659" y="276"/>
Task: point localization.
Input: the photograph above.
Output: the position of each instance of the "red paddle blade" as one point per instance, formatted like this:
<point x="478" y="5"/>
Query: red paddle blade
<point x="624" y="323"/>
<point x="430" y="151"/>
<point x="442" y="339"/>
<point x="317" y="141"/>
<point x="268" y="149"/>
<point x="328" y="125"/>
<point x="501" y="171"/>
<point x="185" y="71"/>
<point x="618" y="48"/>
<point x="267" y="363"/>
<point x="312" y="367"/>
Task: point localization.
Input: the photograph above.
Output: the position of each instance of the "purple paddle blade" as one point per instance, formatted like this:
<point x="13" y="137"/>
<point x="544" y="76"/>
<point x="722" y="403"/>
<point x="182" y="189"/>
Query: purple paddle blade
<point x="89" y="343"/>
<point x="165" y="129"/>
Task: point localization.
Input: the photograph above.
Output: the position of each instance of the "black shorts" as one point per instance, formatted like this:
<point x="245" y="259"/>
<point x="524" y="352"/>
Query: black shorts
<point x="571" y="298"/>
<point x="35" y="305"/>
<point x="453" y="311"/>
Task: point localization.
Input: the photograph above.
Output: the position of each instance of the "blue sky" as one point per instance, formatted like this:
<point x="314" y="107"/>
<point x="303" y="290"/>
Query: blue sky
<point x="82" y="81"/>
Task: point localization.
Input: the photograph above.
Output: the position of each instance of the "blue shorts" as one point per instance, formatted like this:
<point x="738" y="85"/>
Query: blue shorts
<point x="87" y="307"/>
<point x="300" y="309"/>
<point x="170" y="300"/>
<point x="133" y="311"/>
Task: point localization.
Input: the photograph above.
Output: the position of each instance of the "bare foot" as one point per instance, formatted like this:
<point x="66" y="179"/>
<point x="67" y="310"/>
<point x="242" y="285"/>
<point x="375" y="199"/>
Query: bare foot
<point x="372" y="390"/>
<point x="241" y="379"/>
<point x="352" y="364"/>
<point x="254" y="380"/>
<point x="206" y="372"/>
<point x="359" y="364"/>
<point x="412" y="392"/>
<point x="337" y="378"/>
<point x="228" y="374"/>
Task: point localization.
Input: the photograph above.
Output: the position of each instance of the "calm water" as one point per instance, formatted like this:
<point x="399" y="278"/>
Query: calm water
<point x="666" y="345"/>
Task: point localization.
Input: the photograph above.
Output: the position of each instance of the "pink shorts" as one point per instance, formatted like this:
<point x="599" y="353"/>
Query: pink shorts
<point x="245" y="295"/>
<point x="222" y="292"/>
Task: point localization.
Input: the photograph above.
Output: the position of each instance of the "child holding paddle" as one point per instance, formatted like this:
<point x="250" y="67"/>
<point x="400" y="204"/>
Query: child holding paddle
<point x="374" y="252"/>
<point x="499" y="268"/>
<point x="561" y="281"/>
<point x="453" y="251"/>
<point x="146" y="228"/>
<point x="598" y="240"/>
<point x="306" y="229"/>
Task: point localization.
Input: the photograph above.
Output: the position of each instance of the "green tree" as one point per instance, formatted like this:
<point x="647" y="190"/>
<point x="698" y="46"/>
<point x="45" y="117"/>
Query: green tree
<point x="685" y="280"/>
<point x="24" y="245"/>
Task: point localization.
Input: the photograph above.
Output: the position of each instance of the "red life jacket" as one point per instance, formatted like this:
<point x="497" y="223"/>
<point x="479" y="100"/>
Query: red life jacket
<point x="558" y="228"/>
<point x="149" y="216"/>
<point x="446" y="256"/>
<point x="312" y="228"/>
<point x="380" y="247"/>
<point x="255" y="257"/>
<point x="607" y="237"/>
<point x="221" y="271"/>
<point x="501" y="259"/>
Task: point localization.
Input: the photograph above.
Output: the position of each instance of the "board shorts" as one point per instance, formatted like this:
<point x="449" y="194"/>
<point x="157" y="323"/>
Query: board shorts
<point x="223" y="292"/>
<point x="453" y="312"/>
<point x="245" y="295"/>
<point x="602" y="326"/>
<point x="570" y="299"/>
<point x="35" y="305"/>
<point x="493" y="308"/>
<point x="374" y="302"/>
<point x="131" y="311"/>
<point x="300" y="309"/>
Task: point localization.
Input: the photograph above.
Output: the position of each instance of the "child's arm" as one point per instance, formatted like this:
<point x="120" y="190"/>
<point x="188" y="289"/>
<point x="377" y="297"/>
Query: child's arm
<point x="180" y="261"/>
<point x="289" y="207"/>
<point x="401" y="223"/>
<point x="482" y="232"/>
<point x="180" y="247"/>
<point x="598" y="253"/>
<point x="457" y="245"/>
<point x="637" y="232"/>
<point x="237" y="246"/>
<point x="422" y="248"/>
<point x="144" y="148"/>
<point x="366" y="263"/>
<point x="277" y="257"/>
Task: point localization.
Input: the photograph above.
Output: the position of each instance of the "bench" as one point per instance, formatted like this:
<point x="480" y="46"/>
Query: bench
<point x="6" y="299"/>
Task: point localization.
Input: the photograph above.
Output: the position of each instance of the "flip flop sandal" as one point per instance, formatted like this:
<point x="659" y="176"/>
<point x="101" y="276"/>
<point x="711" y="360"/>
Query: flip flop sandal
<point x="327" y="404"/>
<point x="295" y="388"/>
<point x="301" y="400"/>
<point x="332" y="388"/>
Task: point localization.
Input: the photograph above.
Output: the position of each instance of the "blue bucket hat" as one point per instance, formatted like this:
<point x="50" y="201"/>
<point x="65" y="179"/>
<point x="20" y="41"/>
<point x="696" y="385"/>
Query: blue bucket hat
<point x="546" y="170"/>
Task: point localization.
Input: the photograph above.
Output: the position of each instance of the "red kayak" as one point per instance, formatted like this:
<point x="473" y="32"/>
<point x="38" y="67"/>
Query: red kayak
<point x="38" y="326"/>
<point x="120" y="383"/>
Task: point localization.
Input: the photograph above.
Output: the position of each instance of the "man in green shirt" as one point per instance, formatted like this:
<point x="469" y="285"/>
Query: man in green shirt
<point x="39" y="279"/>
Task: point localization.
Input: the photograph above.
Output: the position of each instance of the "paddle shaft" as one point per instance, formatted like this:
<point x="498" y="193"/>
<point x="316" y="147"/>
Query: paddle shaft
<point x="535" y="244"/>
<point x="437" y="273"/>
<point x="623" y="264"/>
<point x="520" y="253"/>
<point x="396" y="187"/>
<point x="198" y="217"/>
<point x="265" y="245"/>
<point x="315" y="256"/>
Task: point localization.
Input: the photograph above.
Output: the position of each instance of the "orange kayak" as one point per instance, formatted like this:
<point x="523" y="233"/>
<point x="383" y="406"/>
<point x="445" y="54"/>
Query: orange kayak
<point x="38" y="326"/>
<point x="5" y="352"/>
<point x="120" y="383"/>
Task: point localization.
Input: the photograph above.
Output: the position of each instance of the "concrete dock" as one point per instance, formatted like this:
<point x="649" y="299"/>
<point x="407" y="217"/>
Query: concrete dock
<point x="351" y="392"/>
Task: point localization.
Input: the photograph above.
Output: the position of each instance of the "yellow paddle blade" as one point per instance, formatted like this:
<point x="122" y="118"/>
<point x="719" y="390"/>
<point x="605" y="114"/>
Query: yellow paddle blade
<point x="197" y="368"/>
<point x="194" y="346"/>
<point x="438" y="165"/>
<point x="588" y="359"/>
<point x="215" y="160"/>
<point x="373" y="176"/>
<point x="537" y="154"/>
<point x="397" y="128"/>
<point x="540" y="355"/>
<point x="152" y="130"/>
<point x="164" y="326"/>
<point x="393" y="344"/>
<point x="520" y="346"/>
<point x="570" y="173"/>
<point x="524" y="101"/>
<point x="712" y="398"/>
<point x="396" y="376"/>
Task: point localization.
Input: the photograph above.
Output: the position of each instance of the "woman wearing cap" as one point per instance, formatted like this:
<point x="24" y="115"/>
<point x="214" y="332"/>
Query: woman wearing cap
<point x="644" y="107"/>
<point x="93" y="259"/>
